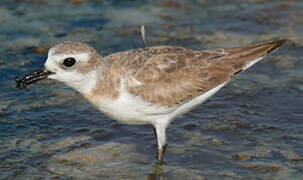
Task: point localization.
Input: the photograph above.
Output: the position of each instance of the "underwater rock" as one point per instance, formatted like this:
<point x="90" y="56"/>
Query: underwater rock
<point x="115" y="160"/>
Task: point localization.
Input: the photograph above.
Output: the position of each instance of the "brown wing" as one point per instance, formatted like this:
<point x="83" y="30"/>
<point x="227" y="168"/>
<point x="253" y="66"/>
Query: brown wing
<point x="173" y="77"/>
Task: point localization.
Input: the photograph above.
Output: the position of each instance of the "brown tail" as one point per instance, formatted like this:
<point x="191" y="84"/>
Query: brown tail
<point x="241" y="58"/>
<point x="262" y="48"/>
<point x="267" y="47"/>
<point x="274" y="45"/>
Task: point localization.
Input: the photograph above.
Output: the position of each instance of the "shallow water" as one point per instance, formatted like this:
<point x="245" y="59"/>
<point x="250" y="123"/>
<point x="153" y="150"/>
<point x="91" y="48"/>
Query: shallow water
<point x="251" y="129"/>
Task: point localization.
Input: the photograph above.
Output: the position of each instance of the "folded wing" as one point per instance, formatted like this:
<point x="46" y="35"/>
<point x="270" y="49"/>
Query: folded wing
<point x="171" y="77"/>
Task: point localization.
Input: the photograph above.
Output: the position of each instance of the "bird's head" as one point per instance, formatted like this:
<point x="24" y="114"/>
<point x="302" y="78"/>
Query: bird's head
<point x="72" y="63"/>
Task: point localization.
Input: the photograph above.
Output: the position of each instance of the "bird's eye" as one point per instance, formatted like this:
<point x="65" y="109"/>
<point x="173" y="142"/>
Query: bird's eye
<point x="69" y="62"/>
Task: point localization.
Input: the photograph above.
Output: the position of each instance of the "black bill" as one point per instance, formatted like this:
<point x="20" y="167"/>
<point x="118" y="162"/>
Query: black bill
<point x="37" y="75"/>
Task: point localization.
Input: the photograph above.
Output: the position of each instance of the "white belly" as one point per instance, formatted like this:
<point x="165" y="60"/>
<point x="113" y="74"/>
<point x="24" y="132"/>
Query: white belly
<point x="131" y="109"/>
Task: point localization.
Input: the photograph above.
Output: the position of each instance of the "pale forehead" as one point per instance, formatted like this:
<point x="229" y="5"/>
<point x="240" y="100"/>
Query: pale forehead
<point x="69" y="47"/>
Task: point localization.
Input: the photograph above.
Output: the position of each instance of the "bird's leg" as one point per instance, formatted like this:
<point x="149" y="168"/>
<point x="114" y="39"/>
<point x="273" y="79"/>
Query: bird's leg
<point x="160" y="154"/>
<point x="160" y="133"/>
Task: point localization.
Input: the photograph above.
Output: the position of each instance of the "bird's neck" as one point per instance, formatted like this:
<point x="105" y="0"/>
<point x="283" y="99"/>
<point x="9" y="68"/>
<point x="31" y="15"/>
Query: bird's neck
<point x="90" y="80"/>
<point x="107" y="85"/>
<point x="86" y="83"/>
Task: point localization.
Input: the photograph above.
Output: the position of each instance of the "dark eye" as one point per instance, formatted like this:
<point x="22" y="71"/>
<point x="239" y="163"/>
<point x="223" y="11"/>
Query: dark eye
<point x="69" y="62"/>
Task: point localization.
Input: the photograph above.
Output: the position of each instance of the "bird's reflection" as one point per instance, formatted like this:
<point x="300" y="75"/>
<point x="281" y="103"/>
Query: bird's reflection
<point x="157" y="173"/>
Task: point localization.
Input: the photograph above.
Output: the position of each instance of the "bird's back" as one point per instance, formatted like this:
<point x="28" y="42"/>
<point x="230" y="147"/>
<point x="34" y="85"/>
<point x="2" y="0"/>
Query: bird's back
<point x="170" y="76"/>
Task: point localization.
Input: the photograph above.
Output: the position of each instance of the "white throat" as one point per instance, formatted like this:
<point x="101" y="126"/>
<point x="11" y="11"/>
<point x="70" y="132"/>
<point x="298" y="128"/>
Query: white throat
<point x="85" y="83"/>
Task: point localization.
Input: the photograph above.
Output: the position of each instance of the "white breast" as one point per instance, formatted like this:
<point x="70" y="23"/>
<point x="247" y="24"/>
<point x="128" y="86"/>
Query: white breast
<point x="131" y="109"/>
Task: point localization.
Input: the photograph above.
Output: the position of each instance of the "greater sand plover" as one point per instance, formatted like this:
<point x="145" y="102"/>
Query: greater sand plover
<point x="151" y="85"/>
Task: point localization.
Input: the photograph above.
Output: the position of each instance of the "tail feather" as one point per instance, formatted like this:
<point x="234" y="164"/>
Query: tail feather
<point x="275" y="45"/>
<point x="241" y="58"/>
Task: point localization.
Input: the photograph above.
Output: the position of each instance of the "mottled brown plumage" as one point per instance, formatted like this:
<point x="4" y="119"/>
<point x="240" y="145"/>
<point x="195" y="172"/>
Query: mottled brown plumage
<point x="169" y="76"/>
<point x="70" y="47"/>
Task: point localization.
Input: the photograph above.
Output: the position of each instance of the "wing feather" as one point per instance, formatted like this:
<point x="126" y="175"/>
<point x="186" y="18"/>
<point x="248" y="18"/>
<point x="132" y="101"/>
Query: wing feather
<point x="167" y="75"/>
